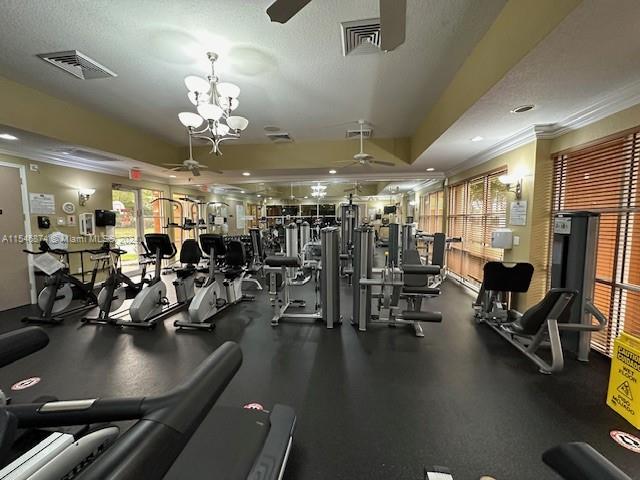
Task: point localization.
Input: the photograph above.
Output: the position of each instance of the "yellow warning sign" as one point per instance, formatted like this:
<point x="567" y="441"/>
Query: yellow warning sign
<point x="624" y="381"/>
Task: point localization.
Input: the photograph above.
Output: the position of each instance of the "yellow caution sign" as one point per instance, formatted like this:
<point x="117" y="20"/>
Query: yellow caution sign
<point x="624" y="381"/>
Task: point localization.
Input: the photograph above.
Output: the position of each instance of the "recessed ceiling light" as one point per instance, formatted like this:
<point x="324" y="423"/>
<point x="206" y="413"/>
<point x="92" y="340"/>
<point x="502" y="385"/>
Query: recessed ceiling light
<point x="523" y="108"/>
<point x="246" y="174"/>
<point x="430" y="169"/>
<point x="332" y="172"/>
<point x="306" y="197"/>
<point x="271" y="128"/>
<point x="258" y="195"/>
<point x="241" y="191"/>
<point x="65" y="153"/>
<point x="8" y="136"/>
<point x="172" y="176"/>
<point x="477" y="138"/>
<point x="270" y="198"/>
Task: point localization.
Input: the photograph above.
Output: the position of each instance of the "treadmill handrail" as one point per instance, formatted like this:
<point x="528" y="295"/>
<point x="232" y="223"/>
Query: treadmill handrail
<point x="580" y="461"/>
<point x="19" y="343"/>
<point x="165" y="422"/>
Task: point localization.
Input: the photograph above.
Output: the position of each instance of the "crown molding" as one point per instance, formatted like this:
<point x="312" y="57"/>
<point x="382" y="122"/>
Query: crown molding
<point x="615" y="102"/>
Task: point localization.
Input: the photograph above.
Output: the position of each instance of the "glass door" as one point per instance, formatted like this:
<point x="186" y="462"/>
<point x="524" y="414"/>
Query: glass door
<point x="127" y="230"/>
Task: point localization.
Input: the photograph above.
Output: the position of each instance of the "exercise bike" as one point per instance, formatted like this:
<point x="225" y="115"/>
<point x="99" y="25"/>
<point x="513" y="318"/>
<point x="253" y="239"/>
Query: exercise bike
<point x="58" y="292"/>
<point x="151" y="303"/>
<point x="210" y="300"/>
<point x="118" y="287"/>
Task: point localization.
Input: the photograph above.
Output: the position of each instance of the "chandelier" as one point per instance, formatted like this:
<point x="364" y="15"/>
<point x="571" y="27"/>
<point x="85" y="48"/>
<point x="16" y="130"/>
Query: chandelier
<point x="214" y="102"/>
<point x="318" y="191"/>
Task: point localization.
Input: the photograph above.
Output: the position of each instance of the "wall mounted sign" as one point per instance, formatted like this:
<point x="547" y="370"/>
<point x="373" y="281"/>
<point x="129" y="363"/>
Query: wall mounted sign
<point x="626" y="440"/>
<point x="518" y="213"/>
<point x="42" y="203"/>
<point x="26" y="383"/>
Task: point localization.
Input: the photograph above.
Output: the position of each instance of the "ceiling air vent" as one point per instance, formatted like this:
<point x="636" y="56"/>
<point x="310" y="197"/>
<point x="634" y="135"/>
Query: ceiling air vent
<point x="77" y="64"/>
<point x="366" y="133"/>
<point x="280" y="137"/>
<point x="360" y="37"/>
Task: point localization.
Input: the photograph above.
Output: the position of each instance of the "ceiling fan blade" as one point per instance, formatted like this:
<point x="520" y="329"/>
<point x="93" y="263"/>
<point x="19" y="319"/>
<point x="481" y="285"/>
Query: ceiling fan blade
<point x="281" y="11"/>
<point x="202" y="166"/>
<point x="393" y="23"/>
<point x="178" y="169"/>
<point x="172" y="164"/>
<point x="382" y="162"/>
<point x="219" y="172"/>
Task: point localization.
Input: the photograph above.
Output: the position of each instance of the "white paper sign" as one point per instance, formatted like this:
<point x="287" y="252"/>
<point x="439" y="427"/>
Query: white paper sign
<point x="518" y="213"/>
<point x="47" y="263"/>
<point x="239" y="217"/>
<point x="42" y="203"/>
<point x="218" y="220"/>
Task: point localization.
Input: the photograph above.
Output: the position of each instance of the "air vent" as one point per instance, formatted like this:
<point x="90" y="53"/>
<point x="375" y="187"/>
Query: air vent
<point x="77" y="64"/>
<point x="361" y="37"/>
<point x="88" y="155"/>
<point x="280" y="137"/>
<point x="366" y="133"/>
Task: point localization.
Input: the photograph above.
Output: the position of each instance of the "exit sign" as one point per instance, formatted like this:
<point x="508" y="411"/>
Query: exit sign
<point x="135" y="174"/>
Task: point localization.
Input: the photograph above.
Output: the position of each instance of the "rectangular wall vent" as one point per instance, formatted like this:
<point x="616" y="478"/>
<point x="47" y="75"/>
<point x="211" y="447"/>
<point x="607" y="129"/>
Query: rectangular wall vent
<point x="77" y="64"/>
<point x="366" y="133"/>
<point x="361" y="37"/>
<point x="280" y="137"/>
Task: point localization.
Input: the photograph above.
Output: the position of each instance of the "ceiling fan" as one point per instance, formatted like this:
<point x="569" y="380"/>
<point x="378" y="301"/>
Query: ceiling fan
<point x="393" y="19"/>
<point x="362" y="158"/>
<point x="189" y="165"/>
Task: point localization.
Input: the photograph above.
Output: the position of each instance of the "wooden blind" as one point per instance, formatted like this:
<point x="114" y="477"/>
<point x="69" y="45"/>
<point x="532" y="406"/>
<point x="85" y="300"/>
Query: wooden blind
<point x="431" y="212"/>
<point x="604" y="178"/>
<point x="476" y="208"/>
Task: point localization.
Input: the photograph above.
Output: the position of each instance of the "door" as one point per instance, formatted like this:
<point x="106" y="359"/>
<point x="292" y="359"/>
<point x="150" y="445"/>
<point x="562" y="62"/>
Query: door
<point x="15" y="289"/>
<point x="127" y="231"/>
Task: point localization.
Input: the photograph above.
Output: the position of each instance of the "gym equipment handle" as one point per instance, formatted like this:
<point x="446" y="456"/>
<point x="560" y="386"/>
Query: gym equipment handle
<point x="580" y="461"/>
<point x="20" y="343"/>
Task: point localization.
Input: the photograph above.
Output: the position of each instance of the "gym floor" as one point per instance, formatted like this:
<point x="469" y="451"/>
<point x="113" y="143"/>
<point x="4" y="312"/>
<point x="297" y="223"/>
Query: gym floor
<point x="377" y="405"/>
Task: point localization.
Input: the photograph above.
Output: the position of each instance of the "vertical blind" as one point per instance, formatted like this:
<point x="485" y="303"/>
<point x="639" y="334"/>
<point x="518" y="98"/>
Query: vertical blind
<point x="476" y="208"/>
<point x="431" y="212"/>
<point x="603" y="177"/>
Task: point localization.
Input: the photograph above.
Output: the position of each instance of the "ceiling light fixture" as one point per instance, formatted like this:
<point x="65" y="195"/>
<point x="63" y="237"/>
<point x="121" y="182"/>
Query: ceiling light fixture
<point x="8" y="136"/>
<point x="318" y="191"/>
<point x="523" y="108"/>
<point x="172" y="176"/>
<point x="214" y="101"/>
<point x="241" y="191"/>
<point x="430" y="169"/>
<point x="477" y="138"/>
<point x="246" y="174"/>
<point x="332" y="172"/>
<point x="258" y="195"/>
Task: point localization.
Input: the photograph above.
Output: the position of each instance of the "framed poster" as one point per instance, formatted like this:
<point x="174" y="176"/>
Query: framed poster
<point x="42" y="203"/>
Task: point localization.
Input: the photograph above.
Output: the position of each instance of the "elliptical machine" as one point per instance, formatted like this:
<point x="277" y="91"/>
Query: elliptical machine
<point x="209" y="301"/>
<point x="58" y="292"/>
<point x="152" y="303"/>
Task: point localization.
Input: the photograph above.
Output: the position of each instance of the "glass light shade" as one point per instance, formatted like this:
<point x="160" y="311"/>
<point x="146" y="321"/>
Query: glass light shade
<point x="190" y="119"/>
<point x="237" y="122"/>
<point x="209" y="111"/>
<point x="221" y="130"/>
<point x="196" y="84"/>
<point x="224" y="103"/>
<point x="226" y="89"/>
<point x="505" y="179"/>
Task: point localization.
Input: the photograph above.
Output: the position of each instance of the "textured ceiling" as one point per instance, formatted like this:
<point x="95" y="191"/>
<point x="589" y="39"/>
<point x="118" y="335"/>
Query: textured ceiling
<point x="593" y="54"/>
<point x="293" y="75"/>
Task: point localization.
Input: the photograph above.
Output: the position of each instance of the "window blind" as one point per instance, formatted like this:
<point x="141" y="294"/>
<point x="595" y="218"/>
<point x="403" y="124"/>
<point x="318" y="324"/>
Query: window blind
<point x="431" y="212"/>
<point x="477" y="207"/>
<point x="603" y="177"/>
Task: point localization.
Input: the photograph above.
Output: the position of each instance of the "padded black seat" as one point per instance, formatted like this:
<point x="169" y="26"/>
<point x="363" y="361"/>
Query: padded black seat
<point x="532" y="319"/>
<point x="235" y="258"/>
<point x="421" y="290"/>
<point x="278" y="261"/>
<point x="416" y="275"/>
<point x="422" y="316"/>
<point x="190" y="255"/>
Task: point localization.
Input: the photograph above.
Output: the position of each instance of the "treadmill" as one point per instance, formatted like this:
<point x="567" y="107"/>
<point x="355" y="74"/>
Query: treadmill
<point x="179" y="434"/>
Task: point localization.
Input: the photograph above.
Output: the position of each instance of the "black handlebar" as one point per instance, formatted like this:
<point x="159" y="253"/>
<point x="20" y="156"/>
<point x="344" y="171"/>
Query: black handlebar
<point x="580" y="461"/>
<point x="165" y="423"/>
<point x="20" y="343"/>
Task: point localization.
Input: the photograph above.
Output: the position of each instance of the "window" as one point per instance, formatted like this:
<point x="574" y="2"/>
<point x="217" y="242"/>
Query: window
<point x="603" y="177"/>
<point x="476" y="208"/>
<point x="152" y="215"/>
<point x="431" y="212"/>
